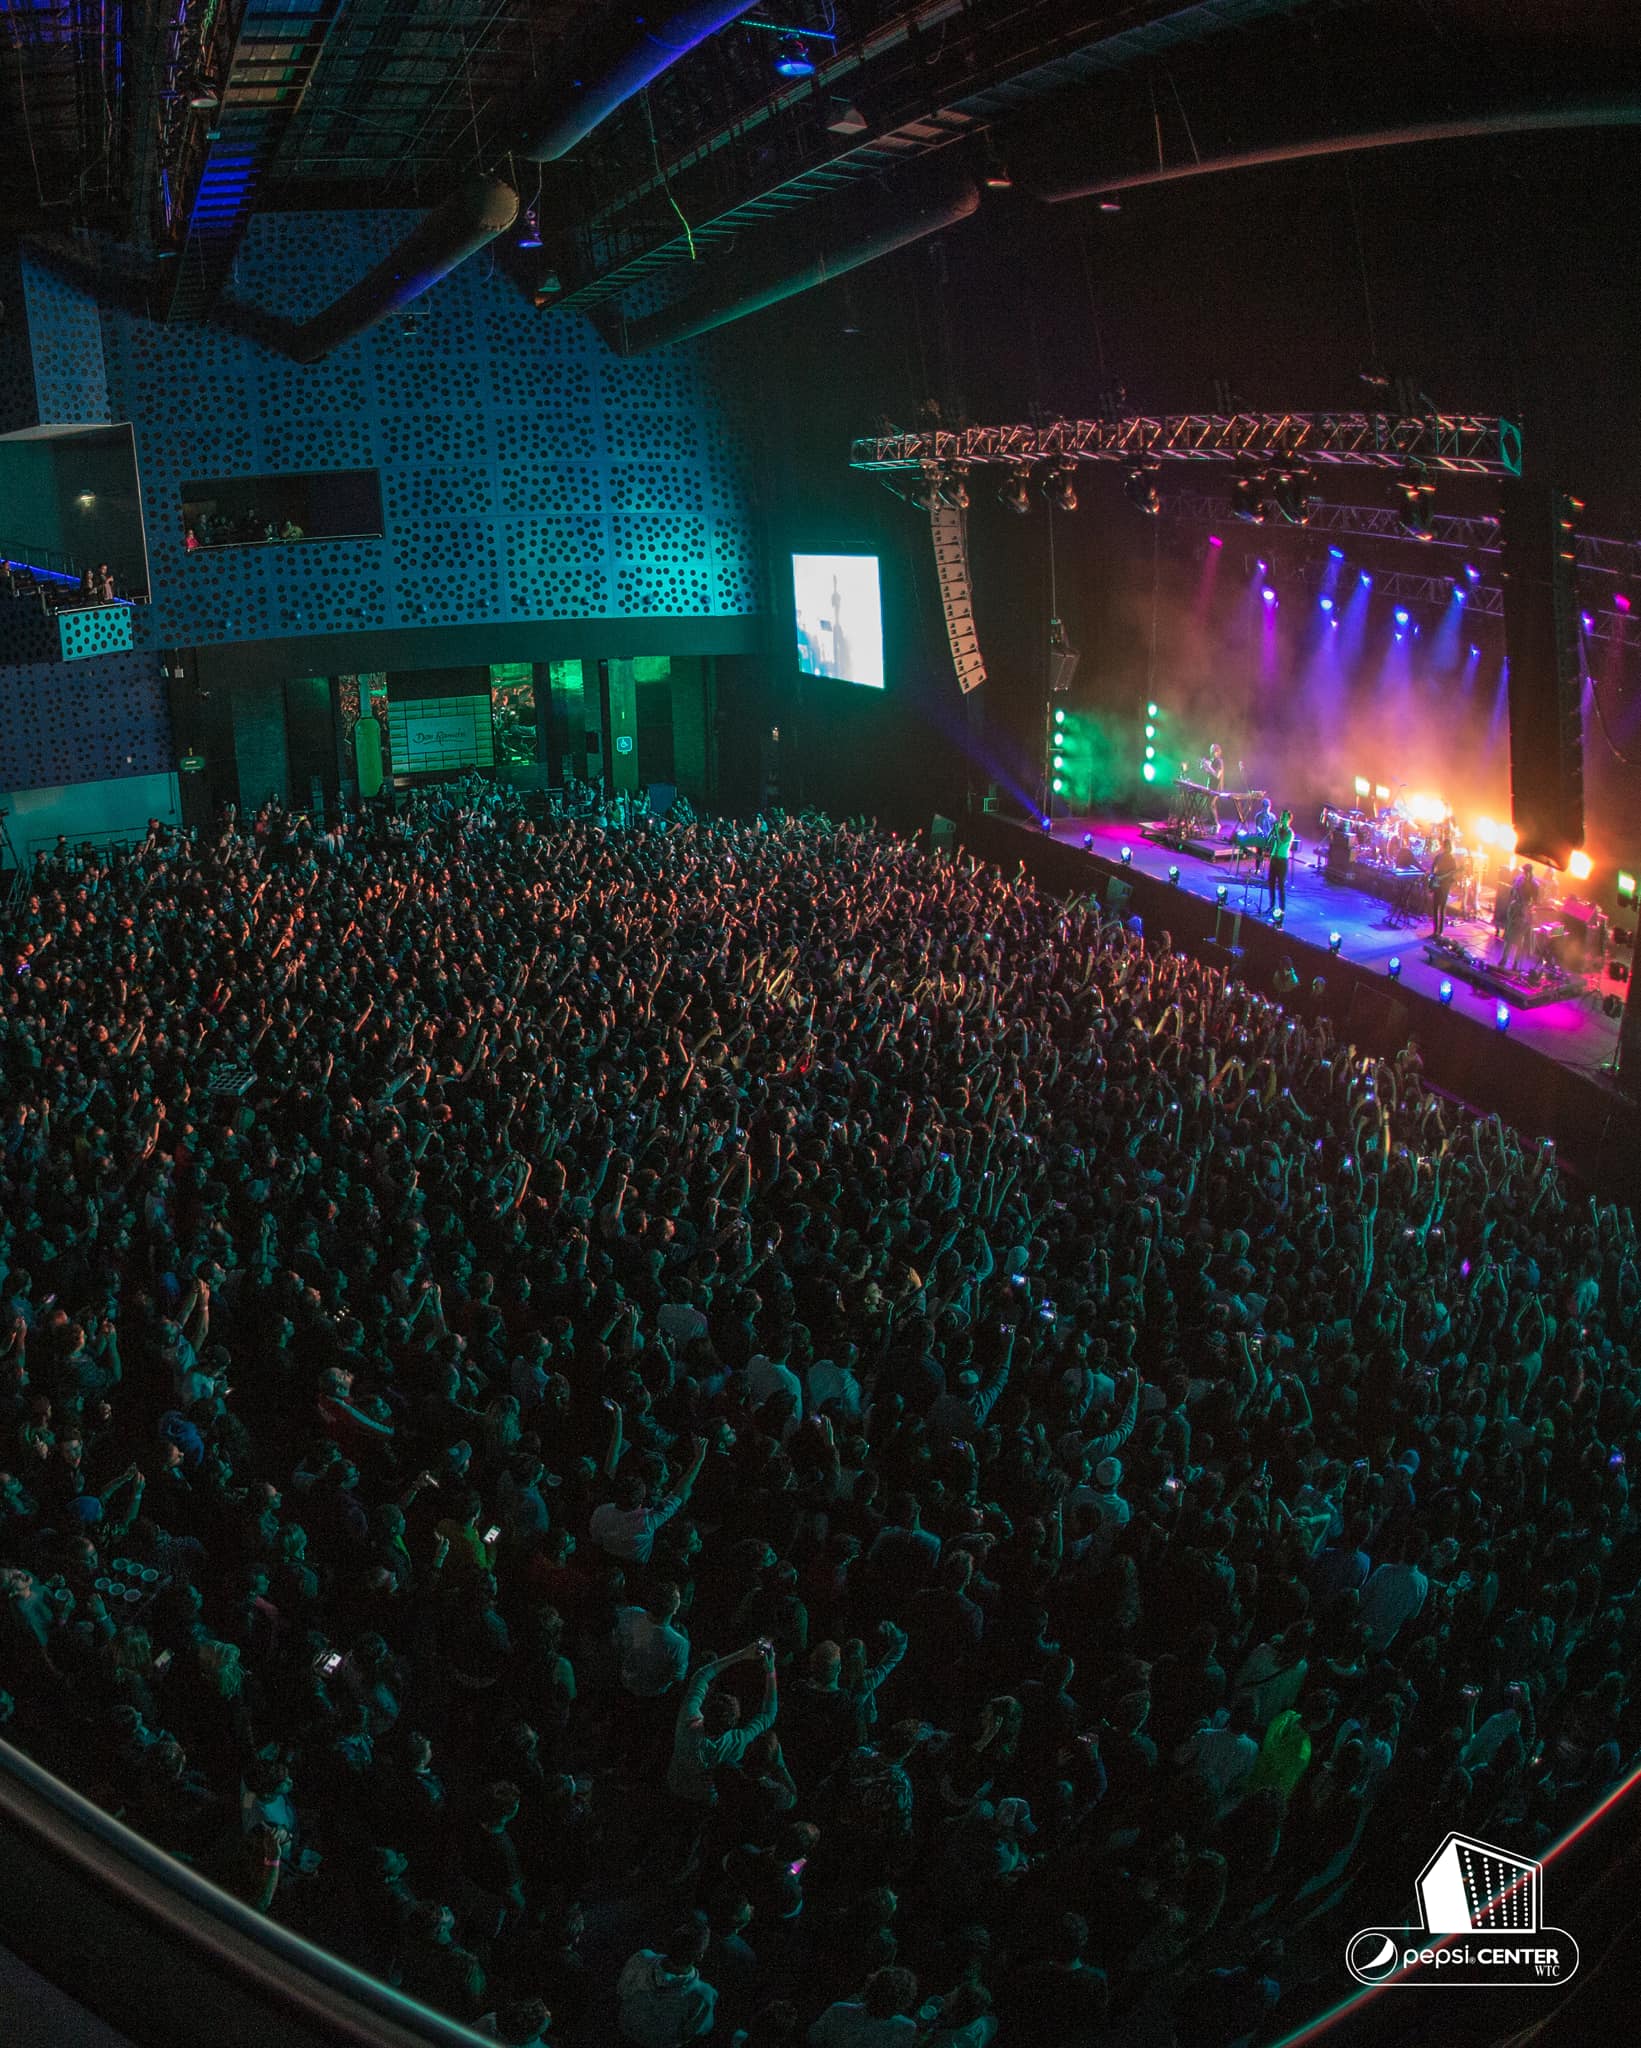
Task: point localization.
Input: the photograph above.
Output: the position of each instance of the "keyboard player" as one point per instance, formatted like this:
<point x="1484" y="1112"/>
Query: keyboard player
<point x="1213" y="774"/>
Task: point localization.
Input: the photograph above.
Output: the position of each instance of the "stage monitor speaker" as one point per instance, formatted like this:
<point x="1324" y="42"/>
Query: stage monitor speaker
<point x="943" y="836"/>
<point x="1339" y="855"/>
<point x="1538" y="557"/>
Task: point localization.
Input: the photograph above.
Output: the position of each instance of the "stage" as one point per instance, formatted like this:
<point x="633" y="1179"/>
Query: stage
<point x="1572" y="1030"/>
<point x="1544" y="1072"/>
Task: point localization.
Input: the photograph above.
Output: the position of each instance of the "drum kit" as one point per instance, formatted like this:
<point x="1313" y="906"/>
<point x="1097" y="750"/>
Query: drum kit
<point x="1397" y="845"/>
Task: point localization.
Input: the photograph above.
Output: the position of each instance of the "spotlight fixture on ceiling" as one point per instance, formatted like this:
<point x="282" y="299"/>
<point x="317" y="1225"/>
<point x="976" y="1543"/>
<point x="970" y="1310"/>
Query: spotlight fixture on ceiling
<point x="1290" y="497"/>
<point x="954" y="489"/>
<point x="1015" y="491"/>
<point x="202" y="96"/>
<point x="1139" y="487"/>
<point x="792" y="58"/>
<point x="1060" y="487"/>
<point x="926" y="493"/>
<point x="1411" y="490"/>
<point x="1248" y="496"/>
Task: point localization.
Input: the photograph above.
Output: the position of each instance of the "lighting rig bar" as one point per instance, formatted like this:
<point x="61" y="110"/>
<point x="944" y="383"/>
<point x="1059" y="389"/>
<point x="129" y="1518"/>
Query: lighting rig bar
<point x="1469" y="444"/>
<point x="1475" y="535"/>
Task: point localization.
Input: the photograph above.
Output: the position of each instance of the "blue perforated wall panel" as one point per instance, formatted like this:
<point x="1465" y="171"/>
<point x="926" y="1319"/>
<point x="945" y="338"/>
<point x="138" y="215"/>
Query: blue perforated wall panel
<point x="66" y="341"/>
<point x="100" y="629"/>
<point x="526" y="472"/>
<point x="102" y="718"/>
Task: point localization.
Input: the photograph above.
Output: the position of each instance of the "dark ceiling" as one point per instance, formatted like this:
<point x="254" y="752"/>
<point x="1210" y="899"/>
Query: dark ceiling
<point x="119" y="121"/>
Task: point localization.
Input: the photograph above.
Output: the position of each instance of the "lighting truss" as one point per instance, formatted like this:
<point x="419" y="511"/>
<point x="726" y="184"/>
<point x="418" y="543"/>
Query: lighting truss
<point x="1476" y="534"/>
<point x="1469" y="444"/>
<point x="1598" y="555"/>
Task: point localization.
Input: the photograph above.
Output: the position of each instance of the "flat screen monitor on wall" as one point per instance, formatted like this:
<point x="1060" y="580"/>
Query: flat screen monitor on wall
<point x="839" y="616"/>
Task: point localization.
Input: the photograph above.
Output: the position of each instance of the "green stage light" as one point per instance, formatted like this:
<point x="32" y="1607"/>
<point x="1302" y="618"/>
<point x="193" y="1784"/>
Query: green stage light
<point x="1150" y="731"/>
<point x="1150" y="753"/>
<point x="1059" y="785"/>
<point x="1626" y="886"/>
<point x="1149" y="771"/>
<point x="1060" y="715"/>
<point x="1151" y="711"/>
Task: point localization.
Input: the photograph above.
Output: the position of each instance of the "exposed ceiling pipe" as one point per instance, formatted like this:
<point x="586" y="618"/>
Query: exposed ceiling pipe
<point x="787" y="257"/>
<point x="1624" y="113"/>
<point x="474" y="214"/>
<point x="565" y="113"/>
<point x="571" y="108"/>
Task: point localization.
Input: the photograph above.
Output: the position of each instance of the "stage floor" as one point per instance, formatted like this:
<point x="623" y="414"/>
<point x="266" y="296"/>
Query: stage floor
<point x="1573" y="1031"/>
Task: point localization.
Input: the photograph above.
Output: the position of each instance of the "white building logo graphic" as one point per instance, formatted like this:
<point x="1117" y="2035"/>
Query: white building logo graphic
<point x="1482" y="1910"/>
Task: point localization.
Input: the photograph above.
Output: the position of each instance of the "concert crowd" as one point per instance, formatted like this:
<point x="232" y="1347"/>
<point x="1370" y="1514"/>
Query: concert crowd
<point x="660" y="1429"/>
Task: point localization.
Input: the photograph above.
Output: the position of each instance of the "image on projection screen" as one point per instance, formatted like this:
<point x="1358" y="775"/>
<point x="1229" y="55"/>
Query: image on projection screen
<point x="839" y="617"/>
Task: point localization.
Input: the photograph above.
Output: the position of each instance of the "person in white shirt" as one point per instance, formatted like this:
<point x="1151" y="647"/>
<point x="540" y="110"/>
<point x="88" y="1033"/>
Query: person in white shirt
<point x="710" y="1732"/>
<point x="625" y="1527"/>
<point x="652" y="1655"/>
<point x="766" y="1377"/>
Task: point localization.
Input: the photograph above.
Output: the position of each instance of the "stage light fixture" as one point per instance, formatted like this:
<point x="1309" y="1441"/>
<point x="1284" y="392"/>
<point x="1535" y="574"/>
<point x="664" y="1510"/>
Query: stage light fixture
<point x="1060" y="488"/>
<point x="1149" y="771"/>
<point x="1173" y="875"/>
<point x="1335" y="941"/>
<point x="1128" y="856"/>
<point x="1248" y="498"/>
<point x="1410" y="493"/>
<point x="1046" y="826"/>
<point x="1472" y="572"/>
<point x="1290" y="497"/>
<point x="1580" y="866"/>
<point x="997" y="171"/>
<point x="1015" y="492"/>
<point x="1214" y="541"/>
<point x="1401" y="616"/>
<point x="1501" y="1017"/>
<point x="1221" y="894"/>
<point x="1586" y="620"/>
<point x="1059" y="785"/>
<point x="1621" y="602"/>
<point x="1139" y="487"/>
<point x="792" y="59"/>
<point x="1458" y="593"/>
<point x="1268" y="594"/>
<point x="1338" y="554"/>
<point x="1365" y="580"/>
<point x="1150" y="731"/>
<point x="1088" y="842"/>
<point x="1110" y="203"/>
<point x="955" y="491"/>
<point x="1151" y="711"/>
<point x="1362" y="785"/>
<point x="1059" y="714"/>
<point x="1626" y="886"/>
<point x="1446" y="992"/>
<point x="1395" y="968"/>
<point x="1326" y="604"/>
<point x="1381" y="792"/>
<point x="1279" y="917"/>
